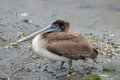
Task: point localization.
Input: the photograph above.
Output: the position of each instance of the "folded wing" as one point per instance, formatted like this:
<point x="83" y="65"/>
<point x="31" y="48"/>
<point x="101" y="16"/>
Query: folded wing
<point x="69" y="45"/>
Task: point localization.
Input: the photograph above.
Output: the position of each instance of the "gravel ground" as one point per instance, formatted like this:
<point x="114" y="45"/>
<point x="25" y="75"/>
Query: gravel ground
<point x="20" y="18"/>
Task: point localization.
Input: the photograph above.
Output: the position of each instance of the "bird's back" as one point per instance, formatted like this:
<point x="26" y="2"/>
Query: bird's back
<point x="70" y="45"/>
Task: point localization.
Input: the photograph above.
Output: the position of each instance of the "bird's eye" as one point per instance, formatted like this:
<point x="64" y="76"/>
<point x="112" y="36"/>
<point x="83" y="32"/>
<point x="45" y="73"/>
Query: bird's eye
<point x="56" y="25"/>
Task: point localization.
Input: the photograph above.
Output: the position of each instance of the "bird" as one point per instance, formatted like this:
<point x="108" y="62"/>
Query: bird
<point x="55" y="42"/>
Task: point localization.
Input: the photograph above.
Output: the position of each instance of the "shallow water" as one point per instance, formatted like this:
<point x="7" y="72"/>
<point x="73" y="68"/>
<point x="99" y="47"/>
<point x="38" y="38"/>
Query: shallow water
<point x="98" y="17"/>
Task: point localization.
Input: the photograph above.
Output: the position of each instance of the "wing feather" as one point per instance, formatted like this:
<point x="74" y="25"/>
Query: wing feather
<point x="69" y="45"/>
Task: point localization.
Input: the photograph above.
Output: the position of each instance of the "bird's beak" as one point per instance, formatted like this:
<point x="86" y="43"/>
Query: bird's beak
<point x="49" y="28"/>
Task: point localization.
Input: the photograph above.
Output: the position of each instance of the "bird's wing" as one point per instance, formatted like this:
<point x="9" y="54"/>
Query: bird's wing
<point x="72" y="46"/>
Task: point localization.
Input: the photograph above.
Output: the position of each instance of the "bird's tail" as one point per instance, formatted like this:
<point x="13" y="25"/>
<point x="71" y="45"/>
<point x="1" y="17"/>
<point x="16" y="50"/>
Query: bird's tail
<point x="94" y="54"/>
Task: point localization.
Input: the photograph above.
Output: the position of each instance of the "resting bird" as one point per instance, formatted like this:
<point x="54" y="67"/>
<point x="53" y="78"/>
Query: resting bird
<point x="55" y="42"/>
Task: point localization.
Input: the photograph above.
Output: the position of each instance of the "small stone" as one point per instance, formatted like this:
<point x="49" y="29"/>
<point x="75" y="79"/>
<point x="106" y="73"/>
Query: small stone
<point x="36" y="70"/>
<point x="68" y="75"/>
<point x="27" y="69"/>
<point x="8" y="78"/>
<point x="27" y="21"/>
<point x="24" y="14"/>
<point x="35" y="56"/>
<point x="24" y="62"/>
<point x="19" y="34"/>
<point x="30" y="46"/>
<point x="112" y="35"/>
<point x="8" y="47"/>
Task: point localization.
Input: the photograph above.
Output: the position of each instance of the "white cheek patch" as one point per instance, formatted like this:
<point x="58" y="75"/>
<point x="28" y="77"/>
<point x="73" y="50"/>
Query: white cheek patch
<point x="45" y="53"/>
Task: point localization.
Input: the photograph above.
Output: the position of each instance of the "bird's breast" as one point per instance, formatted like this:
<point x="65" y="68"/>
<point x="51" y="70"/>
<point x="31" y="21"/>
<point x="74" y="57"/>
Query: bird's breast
<point x="39" y="45"/>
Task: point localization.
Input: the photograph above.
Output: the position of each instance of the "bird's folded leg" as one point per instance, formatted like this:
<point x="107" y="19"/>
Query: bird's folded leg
<point x="95" y="62"/>
<point x="62" y="63"/>
<point x="69" y="66"/>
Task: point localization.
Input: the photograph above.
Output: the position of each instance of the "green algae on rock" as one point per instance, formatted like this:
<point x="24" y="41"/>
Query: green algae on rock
<point x="93" y="77"/>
